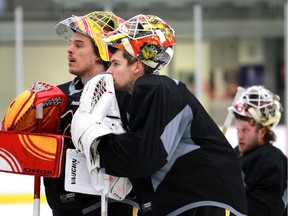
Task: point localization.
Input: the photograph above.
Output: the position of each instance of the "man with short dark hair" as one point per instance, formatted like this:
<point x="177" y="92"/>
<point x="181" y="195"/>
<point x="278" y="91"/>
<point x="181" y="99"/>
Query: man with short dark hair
<point x="85" y="60"/>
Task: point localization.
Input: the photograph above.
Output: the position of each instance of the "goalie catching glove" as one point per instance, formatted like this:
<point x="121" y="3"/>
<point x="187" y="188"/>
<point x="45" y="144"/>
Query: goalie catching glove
<point x="98" y="115"/>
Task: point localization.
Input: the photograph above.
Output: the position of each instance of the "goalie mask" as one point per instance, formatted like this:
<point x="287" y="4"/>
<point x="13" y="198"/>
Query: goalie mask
<point x="259" y="104"/>
<point x="94" y="25"/>
<point x="147" y="38"/>
<point x="24" y="109"/>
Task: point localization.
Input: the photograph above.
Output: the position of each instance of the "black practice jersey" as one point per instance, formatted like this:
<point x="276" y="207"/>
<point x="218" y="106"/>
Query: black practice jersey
<point x="175" y="155"/>
<point x="265" y="177"/>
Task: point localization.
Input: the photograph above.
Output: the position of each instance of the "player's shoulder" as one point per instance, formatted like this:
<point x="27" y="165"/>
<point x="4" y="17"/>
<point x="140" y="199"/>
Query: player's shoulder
<point x="64" y="85"/>
<point x="155" y="81"/>
<point x="268" y="153"/>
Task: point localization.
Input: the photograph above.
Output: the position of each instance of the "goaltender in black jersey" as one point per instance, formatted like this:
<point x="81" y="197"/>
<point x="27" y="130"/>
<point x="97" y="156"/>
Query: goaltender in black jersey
<point x="178" y="160"/>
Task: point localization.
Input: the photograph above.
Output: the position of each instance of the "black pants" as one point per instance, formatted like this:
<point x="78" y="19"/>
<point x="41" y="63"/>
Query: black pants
<point x="114" y="209"/>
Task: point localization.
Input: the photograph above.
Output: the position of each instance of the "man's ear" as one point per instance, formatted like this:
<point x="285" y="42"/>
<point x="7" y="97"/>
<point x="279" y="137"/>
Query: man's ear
<point x="98" y="59"/>
<point x="261" y="133"/>
<point x="139" y="67"/>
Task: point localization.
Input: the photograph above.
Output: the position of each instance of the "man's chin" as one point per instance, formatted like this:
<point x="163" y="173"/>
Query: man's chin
<point x="242" y="148"/>
<point x="73" y="72"/>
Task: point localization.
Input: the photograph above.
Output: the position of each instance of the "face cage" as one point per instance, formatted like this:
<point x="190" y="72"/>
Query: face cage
<point x="95" y="25"/>
<point x="106" y="21"/>
<point x="140" y="30"/>
<point x="268" y="116"/>
<point x="147" y="38"/>
<point x="258" y="100"/>
<point x="147" y="26"/>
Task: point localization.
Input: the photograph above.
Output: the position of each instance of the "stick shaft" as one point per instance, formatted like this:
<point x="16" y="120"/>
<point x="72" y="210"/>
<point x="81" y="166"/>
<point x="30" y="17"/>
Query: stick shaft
<point x="104" y="205"/>
<point x="37" y="179"/>
<point x="105" y="191"/>
<point x="230" y="115"/>
<point x="36" y="201"/>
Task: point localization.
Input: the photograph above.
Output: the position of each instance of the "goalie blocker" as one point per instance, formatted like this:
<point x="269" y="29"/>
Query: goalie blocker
<point x="31" y="153"/>
<point x="77" y="178"/>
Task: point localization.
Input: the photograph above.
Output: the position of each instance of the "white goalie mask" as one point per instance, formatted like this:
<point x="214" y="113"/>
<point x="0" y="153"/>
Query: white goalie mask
<point x="259" y="104"/>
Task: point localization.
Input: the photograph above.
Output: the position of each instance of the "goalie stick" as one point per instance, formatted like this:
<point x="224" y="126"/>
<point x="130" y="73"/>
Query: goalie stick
<point x="229" y="117"/>
<point x="40" y="87"/>
<point x="37" y="179"/>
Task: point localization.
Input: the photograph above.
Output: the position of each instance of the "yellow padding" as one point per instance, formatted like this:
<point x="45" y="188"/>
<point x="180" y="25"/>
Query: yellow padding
<point x="227" y="212"/>
<point x="135" y="211"/>
<point x="19" y="198"/>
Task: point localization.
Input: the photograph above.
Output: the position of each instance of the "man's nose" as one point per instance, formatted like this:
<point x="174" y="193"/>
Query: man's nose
<point x="109" y="71"/>
<point x="239" y="135"/>
<point x="69" y="49"/>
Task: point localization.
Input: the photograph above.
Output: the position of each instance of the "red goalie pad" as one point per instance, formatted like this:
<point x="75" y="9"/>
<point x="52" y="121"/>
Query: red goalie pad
<point x="31" y="154"/>
<point x="21" y="114"/>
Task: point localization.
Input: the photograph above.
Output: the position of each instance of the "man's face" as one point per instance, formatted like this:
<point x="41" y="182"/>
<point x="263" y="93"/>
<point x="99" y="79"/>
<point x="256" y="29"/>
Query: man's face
<point x="81" y="56"/>
<point x="123" y="74"/>
<point x="248" y="136"/>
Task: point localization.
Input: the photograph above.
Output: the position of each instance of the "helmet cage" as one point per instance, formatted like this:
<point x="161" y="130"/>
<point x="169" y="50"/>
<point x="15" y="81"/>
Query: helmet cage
<point x="94" y="25"/>
<point x="260" y="104"/>
<point x="147" y="38"/>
